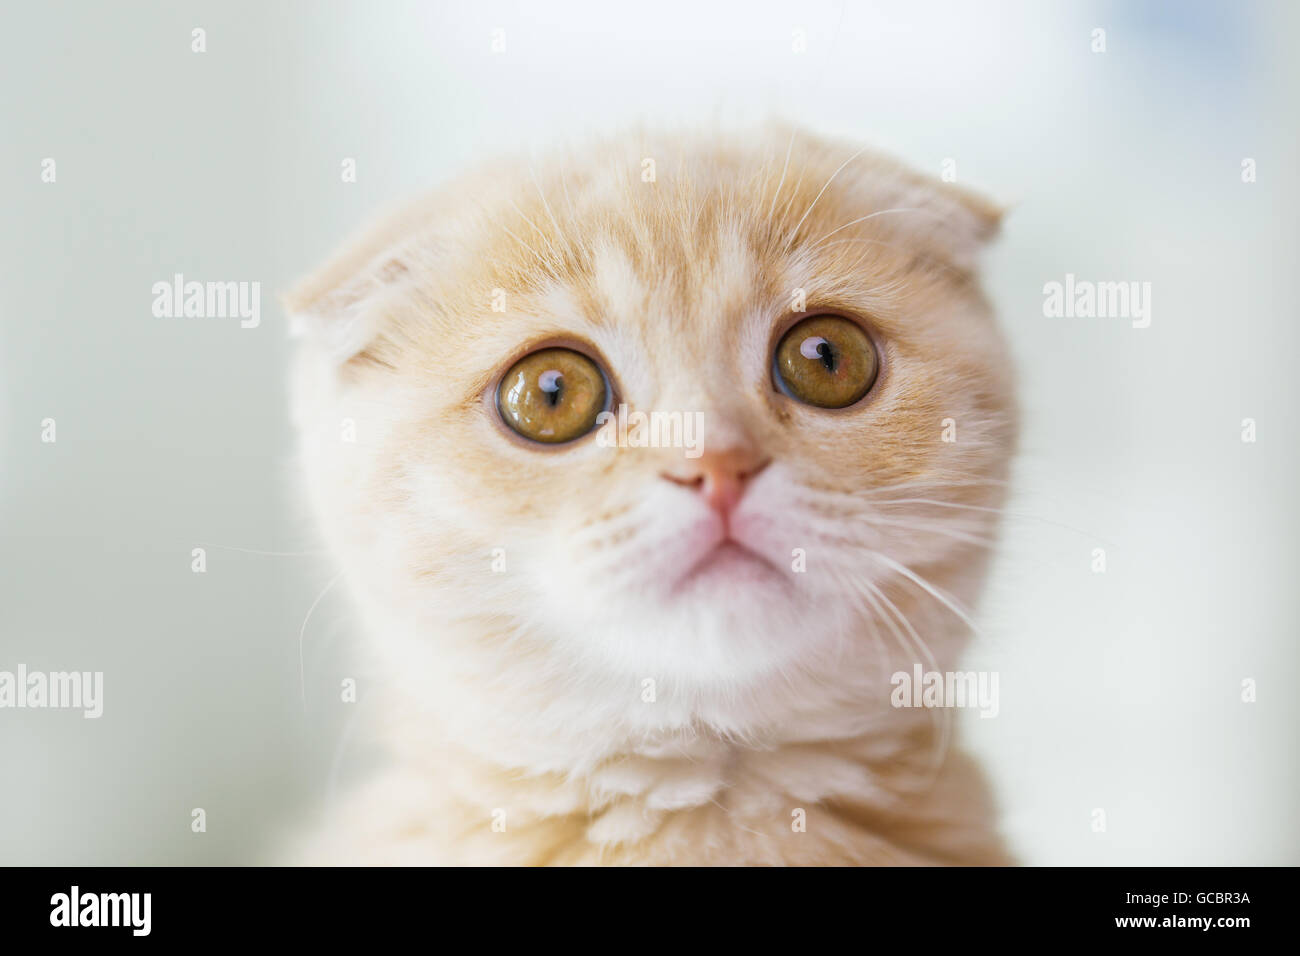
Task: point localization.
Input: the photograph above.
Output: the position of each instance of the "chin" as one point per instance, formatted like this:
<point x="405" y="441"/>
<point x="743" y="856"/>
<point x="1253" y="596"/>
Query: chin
<point x="729" y="620"/>
<point x="729" y="571"/>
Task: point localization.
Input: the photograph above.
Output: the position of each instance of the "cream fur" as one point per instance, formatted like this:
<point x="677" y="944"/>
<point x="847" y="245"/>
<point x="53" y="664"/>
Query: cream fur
<point x="518" y="696"/>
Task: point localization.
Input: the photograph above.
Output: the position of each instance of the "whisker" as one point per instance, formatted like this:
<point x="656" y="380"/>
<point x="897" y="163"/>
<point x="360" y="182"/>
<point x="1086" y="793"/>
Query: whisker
<point x="564" y="185"/>
<point x="930" y="589"/>
<point x="954" y="533"/>
<point x="937" y="485"/>
<point x="956" y="273"/>
<point x="917" y="526"/>
<point x="516" y="208"/>
<point x="873" y="215"/>
<point x="831" y="179"/>
<point x="998" y="511"/>
<point x="546" y="265"/>
<point x="784" y="169"/>
<point x="302" y="673"/>
<point x="942" y="719"/>
<point x="546" y="205"/>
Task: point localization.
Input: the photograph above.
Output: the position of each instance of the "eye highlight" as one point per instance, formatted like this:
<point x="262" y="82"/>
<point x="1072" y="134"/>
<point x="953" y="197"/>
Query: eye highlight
<point x="827" y="361"/>
<point x="552" y="396"/>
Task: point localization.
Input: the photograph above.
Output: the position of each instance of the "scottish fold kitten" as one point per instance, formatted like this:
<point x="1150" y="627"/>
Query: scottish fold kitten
<point x="604" y="645"/>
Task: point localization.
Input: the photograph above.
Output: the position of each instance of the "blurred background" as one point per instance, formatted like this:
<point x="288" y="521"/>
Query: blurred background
<point x="1120" y="691"/>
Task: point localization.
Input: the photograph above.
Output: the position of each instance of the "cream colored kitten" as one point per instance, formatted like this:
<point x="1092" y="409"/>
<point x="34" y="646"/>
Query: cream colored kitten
<point x="662" y="655"/>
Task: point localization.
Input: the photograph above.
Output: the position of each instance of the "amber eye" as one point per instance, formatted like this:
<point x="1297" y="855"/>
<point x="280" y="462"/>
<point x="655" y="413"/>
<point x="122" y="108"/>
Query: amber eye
<point x="552" y="396"/>
<point x="827" y="361"/>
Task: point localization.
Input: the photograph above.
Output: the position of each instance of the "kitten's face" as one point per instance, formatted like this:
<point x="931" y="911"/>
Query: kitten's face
<point x="786" y="529"/>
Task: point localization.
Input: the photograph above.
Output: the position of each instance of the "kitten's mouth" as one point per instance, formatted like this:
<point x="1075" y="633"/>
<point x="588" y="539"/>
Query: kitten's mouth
<point x="728" y="562"/>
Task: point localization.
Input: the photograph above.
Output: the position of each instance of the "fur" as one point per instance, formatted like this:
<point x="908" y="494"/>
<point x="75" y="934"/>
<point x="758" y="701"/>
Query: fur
<point x="515" y="702"/>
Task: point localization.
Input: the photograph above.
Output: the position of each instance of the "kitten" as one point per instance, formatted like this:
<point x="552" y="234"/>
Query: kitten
<point x="595" y="651"/>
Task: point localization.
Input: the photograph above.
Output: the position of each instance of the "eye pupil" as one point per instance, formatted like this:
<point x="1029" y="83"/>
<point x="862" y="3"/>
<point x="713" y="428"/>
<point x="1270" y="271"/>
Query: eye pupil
<point x="551" y="382"/>
<point x="817" y="349"/>
<point x="553" y="395"/>
<point x="811" y="347"/>
<point x="825" y="344"/>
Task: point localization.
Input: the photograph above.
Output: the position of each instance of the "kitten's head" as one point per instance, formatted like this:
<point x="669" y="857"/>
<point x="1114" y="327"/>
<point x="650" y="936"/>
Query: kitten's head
<point x="811" y="309"/>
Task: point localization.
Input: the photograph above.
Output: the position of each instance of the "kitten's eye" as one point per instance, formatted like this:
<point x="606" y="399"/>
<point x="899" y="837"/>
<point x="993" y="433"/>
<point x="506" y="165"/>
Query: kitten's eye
<point x="826" y="361"/>
<point x="552" y="396"/>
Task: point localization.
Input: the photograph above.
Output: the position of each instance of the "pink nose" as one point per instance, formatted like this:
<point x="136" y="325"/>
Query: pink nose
<point x="721" y="477"/>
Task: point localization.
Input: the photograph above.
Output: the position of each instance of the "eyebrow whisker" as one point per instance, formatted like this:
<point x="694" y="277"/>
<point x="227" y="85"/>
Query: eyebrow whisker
<point x="784" y="169"/>
<point x="821" y="192"/>
<point x="873" y="215"/>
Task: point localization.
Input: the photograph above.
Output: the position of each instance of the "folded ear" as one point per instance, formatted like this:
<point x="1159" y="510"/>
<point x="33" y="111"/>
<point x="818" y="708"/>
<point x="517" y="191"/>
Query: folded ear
<point x="951" y="223"/>
<point x="341" y="307"/>
<point x="982" y="217"/>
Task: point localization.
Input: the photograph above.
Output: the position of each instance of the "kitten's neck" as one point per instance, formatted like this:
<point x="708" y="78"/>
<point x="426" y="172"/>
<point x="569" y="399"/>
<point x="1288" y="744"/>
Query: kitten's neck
<point x="811" y="767"/>
<point x="891" y="795"/>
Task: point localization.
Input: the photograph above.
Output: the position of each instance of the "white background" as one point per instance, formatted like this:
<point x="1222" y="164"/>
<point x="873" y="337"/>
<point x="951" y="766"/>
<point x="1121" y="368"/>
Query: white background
<point x="1120" y="691"/>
